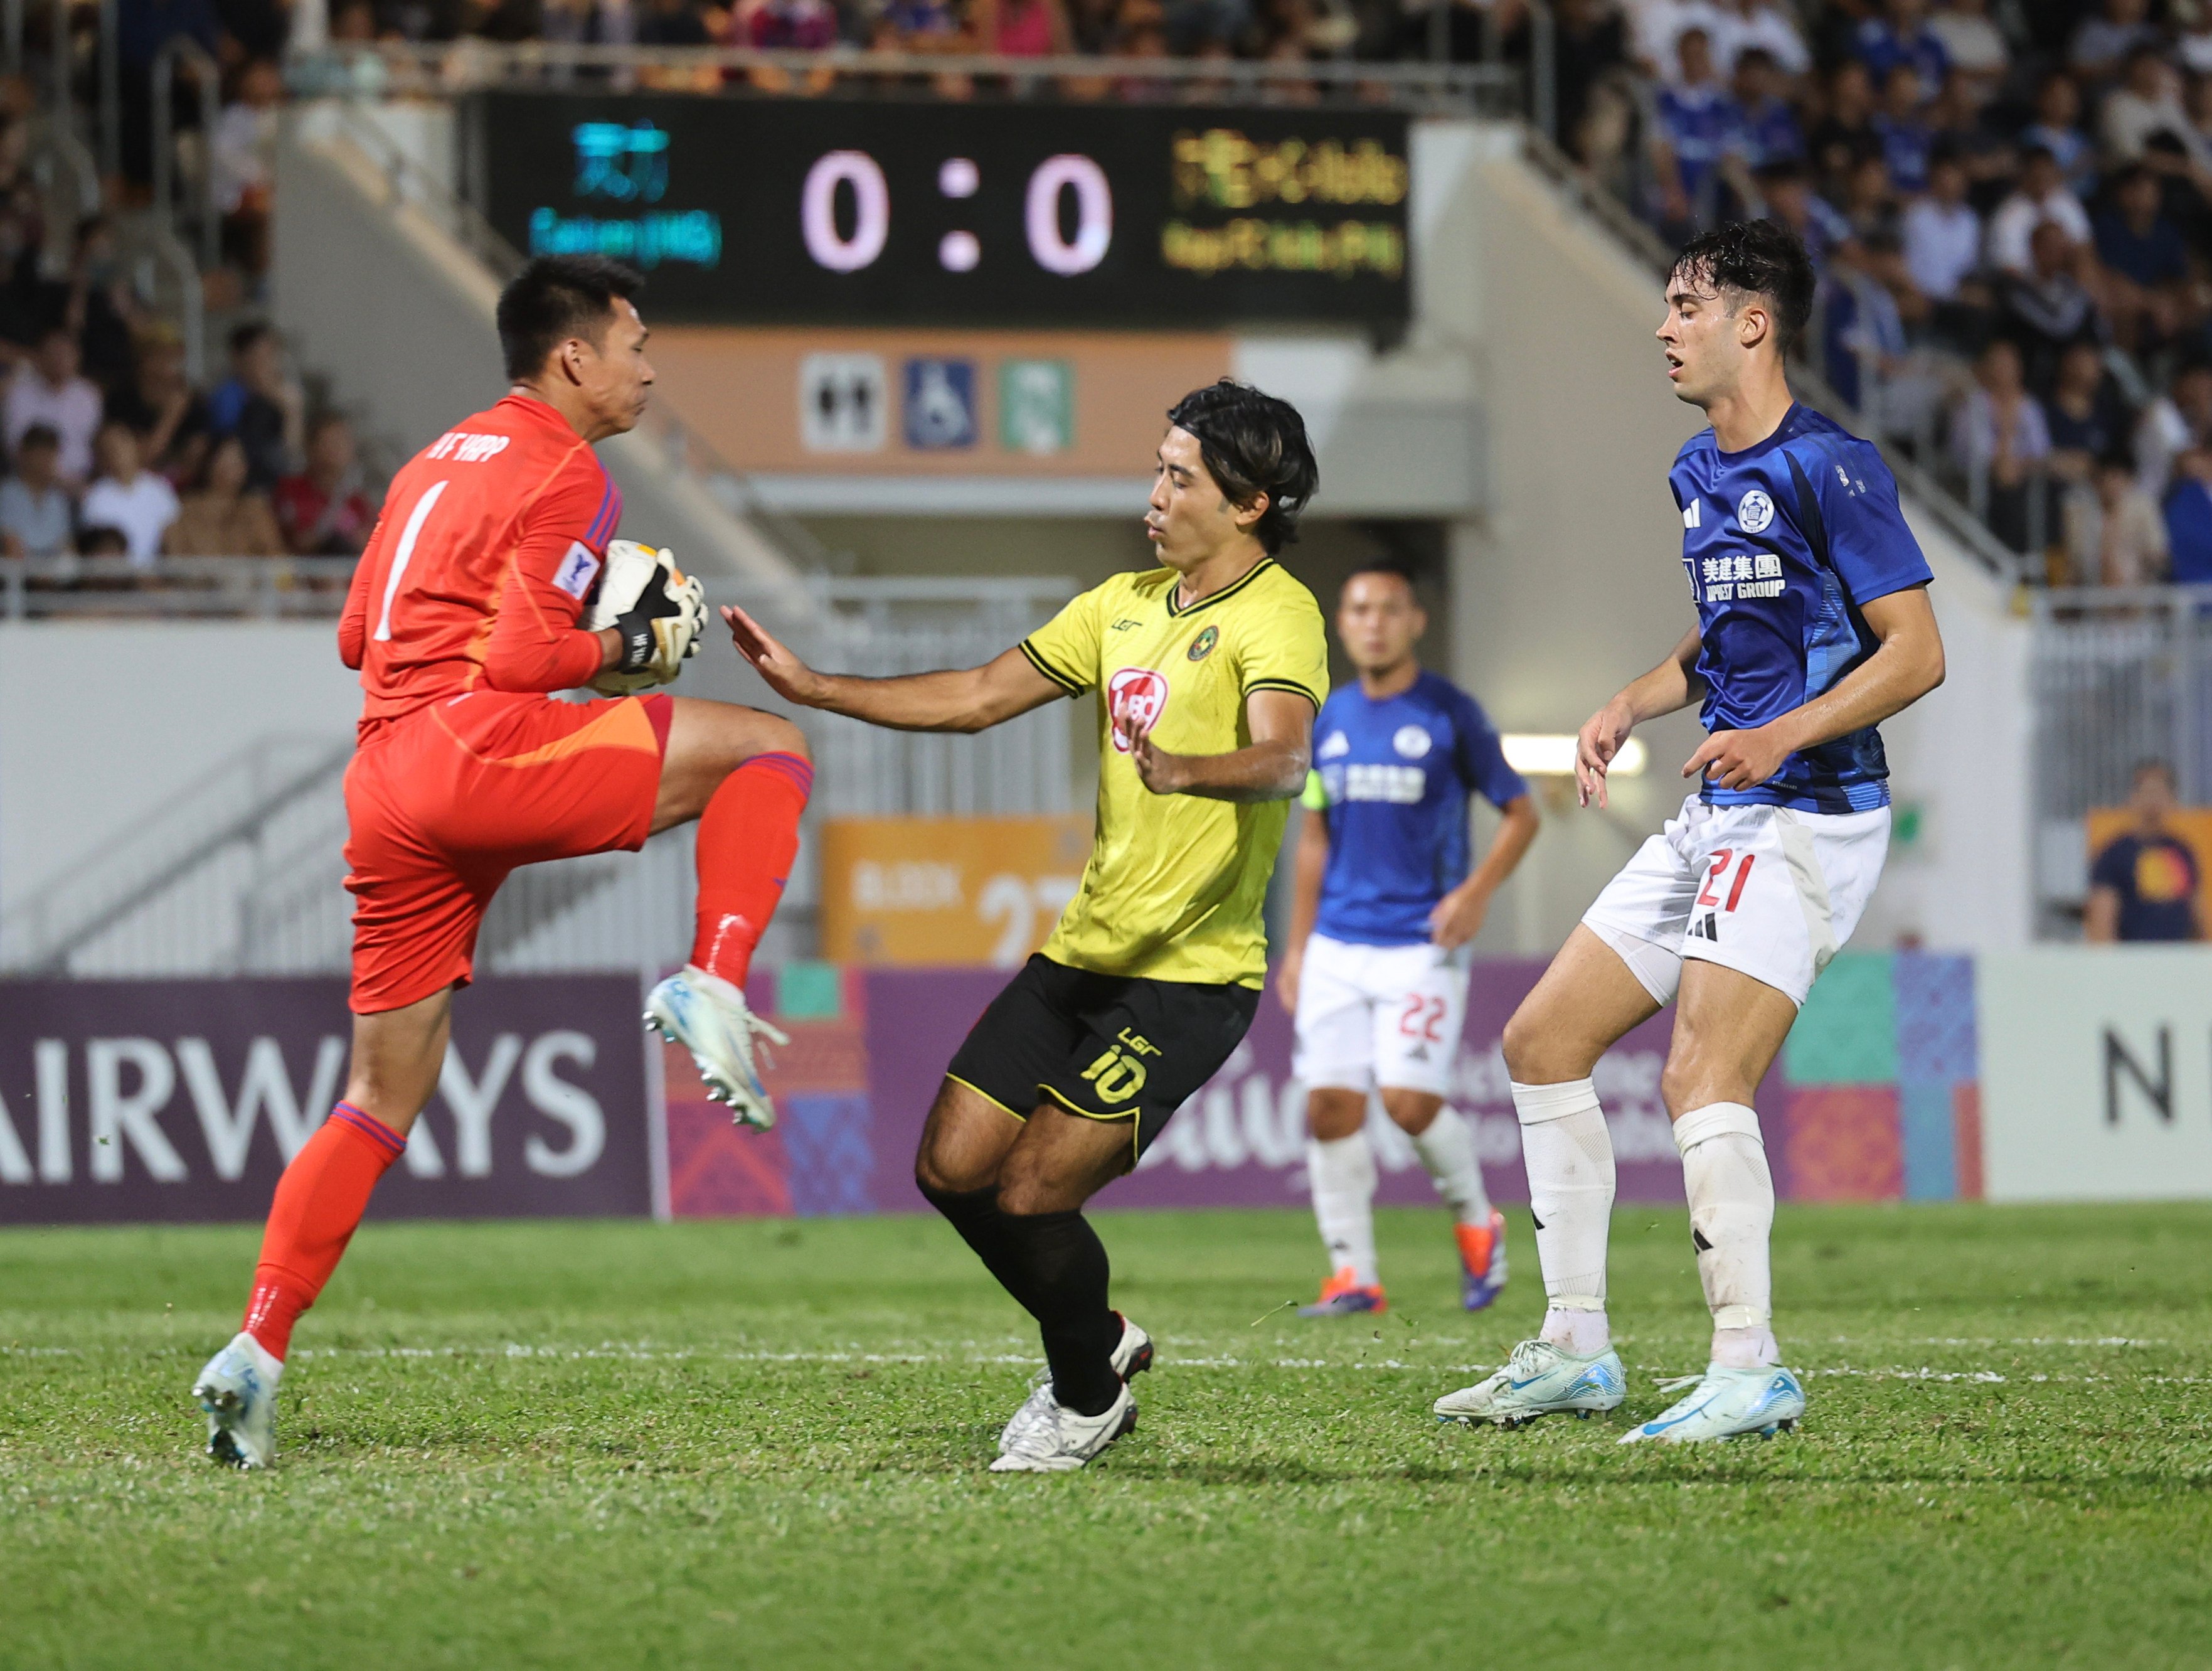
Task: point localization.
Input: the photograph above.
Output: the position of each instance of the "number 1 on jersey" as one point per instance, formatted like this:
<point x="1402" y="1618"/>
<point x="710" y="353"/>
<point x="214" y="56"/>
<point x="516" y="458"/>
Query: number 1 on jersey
<point x="408" y="535"/>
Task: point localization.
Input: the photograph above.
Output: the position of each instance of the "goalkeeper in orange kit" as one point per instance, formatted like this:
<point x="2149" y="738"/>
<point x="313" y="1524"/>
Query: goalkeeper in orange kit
<point x="465" y="615"/>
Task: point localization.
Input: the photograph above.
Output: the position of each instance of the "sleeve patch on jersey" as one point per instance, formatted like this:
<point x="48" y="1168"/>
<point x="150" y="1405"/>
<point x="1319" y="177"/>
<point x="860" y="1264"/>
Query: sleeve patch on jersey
<point x="577" y="569"/>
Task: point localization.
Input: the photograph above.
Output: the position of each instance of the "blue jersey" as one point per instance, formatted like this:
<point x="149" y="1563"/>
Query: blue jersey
<point x="1785" y="543"/>
<point x="1392" y="778"/>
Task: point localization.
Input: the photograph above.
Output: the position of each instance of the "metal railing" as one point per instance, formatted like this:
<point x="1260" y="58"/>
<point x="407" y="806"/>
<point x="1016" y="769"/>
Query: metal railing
<point x="183" y="52"/>
<point x="242" y="871"/>
<point x="175" y="891"/>
<point x="2117" y="676"/>
<point x="38" y="588"/>
<point x="468" y="65"/>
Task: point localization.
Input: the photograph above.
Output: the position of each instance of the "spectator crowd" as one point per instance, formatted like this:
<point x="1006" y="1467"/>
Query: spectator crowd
<point x="2010" y="204"/>
<point x="109" y="450"/>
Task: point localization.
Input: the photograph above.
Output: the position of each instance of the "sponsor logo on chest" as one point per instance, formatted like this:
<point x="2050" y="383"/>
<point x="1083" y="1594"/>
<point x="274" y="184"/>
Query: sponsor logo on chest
<point x="1135" y="699"/>
<point x="1399" y="785"/>
<point x="1742" y="575"/>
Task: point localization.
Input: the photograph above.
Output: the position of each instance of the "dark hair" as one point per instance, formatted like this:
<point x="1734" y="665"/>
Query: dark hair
<point x="1755" y="259"/>
<point x="39" y="435"/>
<point x="246" y="336"/>
<point x="1252" y="444"/>
<point x="555" y="297"/>
<point x="1393" y="567"/>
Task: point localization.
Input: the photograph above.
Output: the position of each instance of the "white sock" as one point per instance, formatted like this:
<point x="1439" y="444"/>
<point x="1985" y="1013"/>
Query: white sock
<point x="1342" y="1171"/>
<point x="1447" y="1149"/>
<point x="1731" y="1195"/>
<point x="1569" y="1155"/>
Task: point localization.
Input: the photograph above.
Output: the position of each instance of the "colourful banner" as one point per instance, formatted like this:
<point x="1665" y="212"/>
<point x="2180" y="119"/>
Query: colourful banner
<point x="1877" y="1099"/>
<point x="181" y="1100"/>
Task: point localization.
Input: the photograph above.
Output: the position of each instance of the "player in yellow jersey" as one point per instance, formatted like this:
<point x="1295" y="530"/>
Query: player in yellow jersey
<point x="1210" y="669"/>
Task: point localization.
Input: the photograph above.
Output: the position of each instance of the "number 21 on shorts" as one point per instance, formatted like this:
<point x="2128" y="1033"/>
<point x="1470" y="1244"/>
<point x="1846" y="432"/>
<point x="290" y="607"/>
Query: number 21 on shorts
<point x="1717" y="874"/>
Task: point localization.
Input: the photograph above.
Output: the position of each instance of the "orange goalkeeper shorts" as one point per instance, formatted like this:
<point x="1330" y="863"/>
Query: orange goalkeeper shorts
<point x="442" y="803"/>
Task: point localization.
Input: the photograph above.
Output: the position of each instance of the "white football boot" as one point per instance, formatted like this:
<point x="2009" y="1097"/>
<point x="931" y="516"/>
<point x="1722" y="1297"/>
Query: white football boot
<point x="1045" y="1437"/>
<point x="1539" y="1379"/>
<point x="237" y="1390"/>
<point x="1725" y="1403"/>
<point x="709" y="1016"/>
<point x="1132" y="1355"/>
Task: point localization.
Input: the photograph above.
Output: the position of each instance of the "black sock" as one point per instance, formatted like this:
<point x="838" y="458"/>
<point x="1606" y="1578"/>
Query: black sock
<point x="1064" y="1268"/>
<point x="975" y="1213"/>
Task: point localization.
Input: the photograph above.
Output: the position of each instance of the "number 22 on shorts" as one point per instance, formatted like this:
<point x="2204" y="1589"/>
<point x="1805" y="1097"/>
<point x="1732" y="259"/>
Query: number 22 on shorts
<point x="1722" y="856"/>
<point x="1422" y="1016"/>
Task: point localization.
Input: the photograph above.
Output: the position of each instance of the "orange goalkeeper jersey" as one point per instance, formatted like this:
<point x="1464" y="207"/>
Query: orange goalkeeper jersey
<point x="475" y="576"/>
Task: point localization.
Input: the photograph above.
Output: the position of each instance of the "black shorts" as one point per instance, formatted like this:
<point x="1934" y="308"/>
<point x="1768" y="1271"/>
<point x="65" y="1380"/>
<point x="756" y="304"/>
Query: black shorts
<point x="1107" y="1047"/>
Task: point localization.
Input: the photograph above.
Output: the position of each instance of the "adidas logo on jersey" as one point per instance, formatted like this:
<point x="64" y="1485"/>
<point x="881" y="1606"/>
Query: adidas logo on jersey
<point x="1693" y="515"/>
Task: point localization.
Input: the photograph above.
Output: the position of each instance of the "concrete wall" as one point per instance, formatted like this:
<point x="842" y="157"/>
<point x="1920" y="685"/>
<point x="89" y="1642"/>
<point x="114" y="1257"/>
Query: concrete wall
<point x="100" y="724"/>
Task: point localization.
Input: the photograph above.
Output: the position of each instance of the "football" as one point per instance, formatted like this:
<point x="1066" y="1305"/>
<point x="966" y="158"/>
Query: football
<point x="631" y="573"/>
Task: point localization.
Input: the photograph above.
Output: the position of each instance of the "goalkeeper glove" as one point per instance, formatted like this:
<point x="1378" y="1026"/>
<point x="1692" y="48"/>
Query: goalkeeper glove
<point x="659" y="630"/>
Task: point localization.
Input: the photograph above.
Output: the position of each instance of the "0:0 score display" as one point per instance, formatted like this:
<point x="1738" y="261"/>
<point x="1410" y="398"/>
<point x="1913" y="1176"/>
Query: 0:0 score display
<point x="845" y="212"/>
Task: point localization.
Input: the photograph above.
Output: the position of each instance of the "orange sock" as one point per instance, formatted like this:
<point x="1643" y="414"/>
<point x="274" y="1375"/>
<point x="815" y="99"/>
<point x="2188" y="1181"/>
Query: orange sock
<point x="320" y="1200"/>
<point x="748" y="837"/>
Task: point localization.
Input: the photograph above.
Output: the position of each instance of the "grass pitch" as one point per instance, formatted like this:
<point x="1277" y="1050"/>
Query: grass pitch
<point x="623" y="1445"/>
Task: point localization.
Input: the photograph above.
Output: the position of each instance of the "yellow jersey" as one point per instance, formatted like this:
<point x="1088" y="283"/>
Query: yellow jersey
<point x="1174" y="885"/>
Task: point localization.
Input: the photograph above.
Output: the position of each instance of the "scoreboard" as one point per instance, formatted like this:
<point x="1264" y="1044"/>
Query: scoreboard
<point x="757" y="210"/>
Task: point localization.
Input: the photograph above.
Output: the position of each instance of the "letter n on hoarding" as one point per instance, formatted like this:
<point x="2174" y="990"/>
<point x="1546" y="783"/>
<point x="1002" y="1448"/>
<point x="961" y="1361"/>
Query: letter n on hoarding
<point x="2120" y="1061"/>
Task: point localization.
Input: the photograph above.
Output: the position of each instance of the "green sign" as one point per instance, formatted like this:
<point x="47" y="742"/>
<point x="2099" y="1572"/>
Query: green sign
<point x="1036" y="406"/>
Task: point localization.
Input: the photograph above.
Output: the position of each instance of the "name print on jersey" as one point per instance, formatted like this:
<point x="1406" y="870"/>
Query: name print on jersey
<point x="464" y="447"/>
<point x="1135" y="698"/>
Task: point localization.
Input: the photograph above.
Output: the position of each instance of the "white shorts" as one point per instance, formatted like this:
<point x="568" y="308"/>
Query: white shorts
<point x="1764" y="889"/>
<point x="1378" y="1015"/>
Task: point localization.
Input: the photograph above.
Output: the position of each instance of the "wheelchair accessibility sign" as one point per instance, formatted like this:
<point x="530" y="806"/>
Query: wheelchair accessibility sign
<point x="939" y="405"/>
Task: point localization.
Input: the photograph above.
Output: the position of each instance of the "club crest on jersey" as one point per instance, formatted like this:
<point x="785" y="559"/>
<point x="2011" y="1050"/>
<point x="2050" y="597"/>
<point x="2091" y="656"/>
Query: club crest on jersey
<point x="1411" y="741"/>
<point x="1202" y="646"/>
<point x="1755" y="511"/>
<point x="577" y="569"/>
<point x="1135" y="699"/>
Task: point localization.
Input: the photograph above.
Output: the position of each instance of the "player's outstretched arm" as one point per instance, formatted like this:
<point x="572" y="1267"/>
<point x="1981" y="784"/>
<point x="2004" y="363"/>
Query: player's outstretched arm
<point x="1271" y="767"/>
<point x="974" y="700"/>
<point x="1674" y="684"/>
<point x="1907" y="664"/>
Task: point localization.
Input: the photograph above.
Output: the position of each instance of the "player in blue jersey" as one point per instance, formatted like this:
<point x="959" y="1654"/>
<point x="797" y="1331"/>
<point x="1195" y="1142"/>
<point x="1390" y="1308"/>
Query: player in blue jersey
<point x="1813" y="625"/>
<point x="1381" y="917"/>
